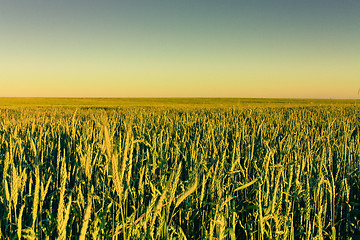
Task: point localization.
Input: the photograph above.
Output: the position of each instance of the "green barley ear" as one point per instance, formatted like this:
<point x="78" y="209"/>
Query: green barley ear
<point x="6" y="165"/>
<point x="8" y="197"/>
<point x="63" y="213"/>
<point x="107" y="142"/>
<point x="203" y="189"/>
<point x="36" y="196"/>
<point x="116" y="178"/>
<point x="87" y="216"/>
<point x="19" y="223"/>
<point x="188" y="192"/>
<point x="33" y="147"/>
<point x="15" y="186"/>
<point x="246" y="185"/>
<point x="175" y="182"/>
<point x="158" y="207"/>
<point x="63" y="224"/>
<point x="44" y="191"/>
<point x="61" y="207"/>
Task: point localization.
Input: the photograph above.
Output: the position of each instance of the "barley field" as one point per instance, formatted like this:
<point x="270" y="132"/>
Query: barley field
<point x="179" y="169"/>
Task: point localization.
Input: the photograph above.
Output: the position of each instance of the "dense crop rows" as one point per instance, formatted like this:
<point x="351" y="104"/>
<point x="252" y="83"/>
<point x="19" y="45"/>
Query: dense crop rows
<point x="176" y="173"/>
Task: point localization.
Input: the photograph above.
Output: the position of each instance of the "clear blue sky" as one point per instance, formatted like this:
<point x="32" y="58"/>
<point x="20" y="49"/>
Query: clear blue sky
<point x="204" y="48"/>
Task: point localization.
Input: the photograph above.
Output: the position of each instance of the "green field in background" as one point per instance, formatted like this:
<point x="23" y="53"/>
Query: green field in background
<point x="169" y="102"/>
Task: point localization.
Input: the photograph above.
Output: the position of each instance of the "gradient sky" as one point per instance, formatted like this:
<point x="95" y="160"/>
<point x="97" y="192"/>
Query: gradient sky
<point x="180" y="48"/>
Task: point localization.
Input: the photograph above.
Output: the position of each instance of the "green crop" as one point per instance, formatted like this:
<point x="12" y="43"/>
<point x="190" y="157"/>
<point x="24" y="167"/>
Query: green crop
<point x="180" y="172"/>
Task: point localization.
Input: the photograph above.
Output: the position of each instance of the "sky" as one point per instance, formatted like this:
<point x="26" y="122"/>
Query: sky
<point x="180" y="48"/>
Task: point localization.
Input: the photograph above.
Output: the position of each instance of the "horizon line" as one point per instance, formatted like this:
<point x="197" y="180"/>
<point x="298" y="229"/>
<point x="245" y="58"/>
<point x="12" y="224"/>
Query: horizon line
<point x="177" y="97"/>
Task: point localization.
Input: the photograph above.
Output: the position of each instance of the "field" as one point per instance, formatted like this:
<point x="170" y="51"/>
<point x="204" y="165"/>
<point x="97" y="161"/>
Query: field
<point x="179" y="169"/>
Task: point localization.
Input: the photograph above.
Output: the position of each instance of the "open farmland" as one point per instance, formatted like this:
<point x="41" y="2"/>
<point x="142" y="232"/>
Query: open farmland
<point x="179" y="169"/>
